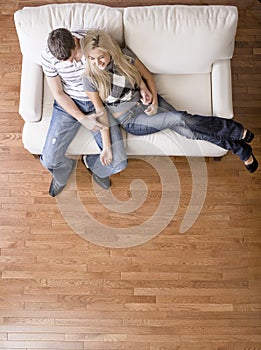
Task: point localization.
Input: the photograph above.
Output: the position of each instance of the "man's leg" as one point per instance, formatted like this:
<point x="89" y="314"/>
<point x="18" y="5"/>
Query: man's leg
<point x="62" y="130"/>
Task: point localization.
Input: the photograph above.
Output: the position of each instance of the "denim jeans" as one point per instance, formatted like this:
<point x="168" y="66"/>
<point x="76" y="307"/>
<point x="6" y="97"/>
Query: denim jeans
<point x="62" y="130"/>
<point x="222" y="132"/>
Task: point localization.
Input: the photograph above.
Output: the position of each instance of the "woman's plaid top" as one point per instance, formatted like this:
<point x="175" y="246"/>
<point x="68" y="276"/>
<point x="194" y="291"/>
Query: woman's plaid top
<point x="121" y="89"/>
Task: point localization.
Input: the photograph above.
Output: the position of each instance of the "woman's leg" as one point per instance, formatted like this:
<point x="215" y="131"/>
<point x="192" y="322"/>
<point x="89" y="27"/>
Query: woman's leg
<point x="223" y="132"/>
<point x="196" y="127"/>
<point x="119" y="160"/>
<point x="202" y="126"/>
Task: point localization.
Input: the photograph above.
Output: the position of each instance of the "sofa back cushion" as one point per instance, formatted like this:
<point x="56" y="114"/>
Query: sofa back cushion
<point x="33" y="24"/>
<point x="180" y="39"/>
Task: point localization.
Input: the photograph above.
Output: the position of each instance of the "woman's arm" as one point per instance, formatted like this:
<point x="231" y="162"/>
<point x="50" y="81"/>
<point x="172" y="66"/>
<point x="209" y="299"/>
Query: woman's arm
<point x="146" y="95"/>
<point x="148" y="77"/>
<point x="101" y="113"/>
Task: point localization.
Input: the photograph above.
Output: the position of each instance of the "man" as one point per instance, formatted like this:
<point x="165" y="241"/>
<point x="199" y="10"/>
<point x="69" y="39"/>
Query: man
<point x="63" y="63"/>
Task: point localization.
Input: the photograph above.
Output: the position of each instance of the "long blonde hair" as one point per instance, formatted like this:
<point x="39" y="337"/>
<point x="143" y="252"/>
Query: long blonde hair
<point x="101" y="78"/>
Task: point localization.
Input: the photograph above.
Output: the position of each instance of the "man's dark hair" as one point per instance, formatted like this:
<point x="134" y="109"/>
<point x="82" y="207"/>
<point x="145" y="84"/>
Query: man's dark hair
<point x="61" y="43"/>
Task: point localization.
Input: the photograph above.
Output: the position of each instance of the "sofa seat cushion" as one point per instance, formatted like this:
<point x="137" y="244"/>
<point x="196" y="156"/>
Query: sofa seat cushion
<point x="169" y="143"/>
<point x="186" y="92"/>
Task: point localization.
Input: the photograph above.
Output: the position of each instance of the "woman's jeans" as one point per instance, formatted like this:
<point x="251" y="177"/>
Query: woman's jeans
<point x="222" y="132"/>
<point x="62" y="130"/>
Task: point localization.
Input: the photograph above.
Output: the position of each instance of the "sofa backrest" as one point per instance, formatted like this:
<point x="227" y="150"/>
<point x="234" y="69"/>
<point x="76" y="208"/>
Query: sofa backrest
<point x="34" y="23"/>
<point x="178" y="39"/>
<point x="168" y="39"/>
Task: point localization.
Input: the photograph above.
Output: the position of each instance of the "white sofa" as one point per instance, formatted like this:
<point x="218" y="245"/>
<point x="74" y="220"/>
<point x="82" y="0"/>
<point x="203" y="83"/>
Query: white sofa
<point x="187" y="48"/>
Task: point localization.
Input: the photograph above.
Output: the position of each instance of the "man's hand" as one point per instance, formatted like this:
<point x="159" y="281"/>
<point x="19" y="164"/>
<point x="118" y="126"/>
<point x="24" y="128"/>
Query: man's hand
<point x="106" y="156"/>
<point x="90" y="122"/>
<point x="151" y="110"/>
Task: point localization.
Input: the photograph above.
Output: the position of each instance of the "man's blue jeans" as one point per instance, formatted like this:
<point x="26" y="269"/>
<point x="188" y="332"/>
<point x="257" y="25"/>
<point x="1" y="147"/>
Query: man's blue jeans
<point x="62" y="130"/>
<point x="222" y="132"/>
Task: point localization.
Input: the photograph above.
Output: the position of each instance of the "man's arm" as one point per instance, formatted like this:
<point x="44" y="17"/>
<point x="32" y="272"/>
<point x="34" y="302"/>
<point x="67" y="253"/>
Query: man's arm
<point x="65" y="101"/>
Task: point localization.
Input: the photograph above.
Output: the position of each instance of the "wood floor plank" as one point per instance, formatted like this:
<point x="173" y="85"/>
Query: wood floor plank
<point x="200" y="290"/>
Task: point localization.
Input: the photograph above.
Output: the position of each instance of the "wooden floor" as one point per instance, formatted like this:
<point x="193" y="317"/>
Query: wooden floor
<point x="199" y="290"/>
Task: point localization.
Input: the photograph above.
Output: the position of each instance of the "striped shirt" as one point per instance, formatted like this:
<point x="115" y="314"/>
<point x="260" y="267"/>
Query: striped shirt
<point x="70" y="73"/>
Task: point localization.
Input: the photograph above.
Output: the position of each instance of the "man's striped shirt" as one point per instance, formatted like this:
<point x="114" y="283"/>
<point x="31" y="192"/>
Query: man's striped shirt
<point x="70" y="73"/>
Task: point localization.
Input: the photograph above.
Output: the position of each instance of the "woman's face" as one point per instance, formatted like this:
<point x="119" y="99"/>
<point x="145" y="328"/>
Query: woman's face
<point x="100" y="58"/>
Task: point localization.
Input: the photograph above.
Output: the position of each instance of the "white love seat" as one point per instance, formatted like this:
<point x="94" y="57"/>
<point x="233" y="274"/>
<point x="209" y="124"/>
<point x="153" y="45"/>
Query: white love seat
<point x="187" y="48"/>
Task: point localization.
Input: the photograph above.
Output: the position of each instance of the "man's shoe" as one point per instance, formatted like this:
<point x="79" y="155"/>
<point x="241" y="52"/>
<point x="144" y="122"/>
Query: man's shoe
<point x="103" y="182"/>
<point x="55" y="189"/>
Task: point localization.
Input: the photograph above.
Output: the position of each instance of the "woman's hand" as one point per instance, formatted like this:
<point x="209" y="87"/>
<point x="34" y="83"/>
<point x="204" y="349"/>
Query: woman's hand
<point x="146" y="96"/>
<point x="152" y="109"/>
<point x="106" y="156"/>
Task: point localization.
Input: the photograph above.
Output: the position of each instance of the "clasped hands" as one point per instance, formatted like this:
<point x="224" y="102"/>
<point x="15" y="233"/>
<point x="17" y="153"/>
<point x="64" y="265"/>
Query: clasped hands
<point x="90" y="121"/>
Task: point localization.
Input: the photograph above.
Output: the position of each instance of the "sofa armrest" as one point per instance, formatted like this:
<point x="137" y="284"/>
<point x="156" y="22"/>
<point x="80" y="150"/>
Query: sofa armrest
<point x="31" y="91"/>
<point x="222" y="104"/>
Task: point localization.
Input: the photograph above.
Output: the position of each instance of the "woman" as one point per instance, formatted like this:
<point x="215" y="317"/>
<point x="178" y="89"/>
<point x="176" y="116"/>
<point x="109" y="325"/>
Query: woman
<point x="114" y="77"/>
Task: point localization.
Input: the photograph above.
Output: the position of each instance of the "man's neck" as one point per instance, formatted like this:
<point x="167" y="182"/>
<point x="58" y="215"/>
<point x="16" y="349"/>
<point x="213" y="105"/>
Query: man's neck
<point x="79" y="52"/>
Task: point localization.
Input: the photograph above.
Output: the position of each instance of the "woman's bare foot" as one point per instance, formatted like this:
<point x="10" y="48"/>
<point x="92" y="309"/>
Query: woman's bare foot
<point x="249" y="160"/>
<point x="244" y="134"/>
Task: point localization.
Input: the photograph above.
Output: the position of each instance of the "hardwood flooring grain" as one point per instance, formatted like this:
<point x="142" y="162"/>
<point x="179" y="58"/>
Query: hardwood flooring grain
<point x="199" y="290"/>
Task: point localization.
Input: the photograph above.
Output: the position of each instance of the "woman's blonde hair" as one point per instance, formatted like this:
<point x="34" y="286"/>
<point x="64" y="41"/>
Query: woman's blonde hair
<point x="101" y="78"/>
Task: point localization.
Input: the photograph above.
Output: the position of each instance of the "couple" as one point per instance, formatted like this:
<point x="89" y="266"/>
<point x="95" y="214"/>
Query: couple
<point x="87" y="70"/>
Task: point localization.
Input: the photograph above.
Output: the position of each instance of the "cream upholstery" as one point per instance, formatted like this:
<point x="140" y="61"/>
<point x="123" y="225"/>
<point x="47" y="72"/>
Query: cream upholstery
<point x="180" y="39"/>
<point x="187" y="48"/>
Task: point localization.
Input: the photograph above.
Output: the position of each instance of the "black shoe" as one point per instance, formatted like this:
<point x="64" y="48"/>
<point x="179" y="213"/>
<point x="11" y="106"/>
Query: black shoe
<point x="103" y="182"/>
<point x="55" y="189"/>
<point x="252" y="166"/>
<point x="248" y="137"/>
